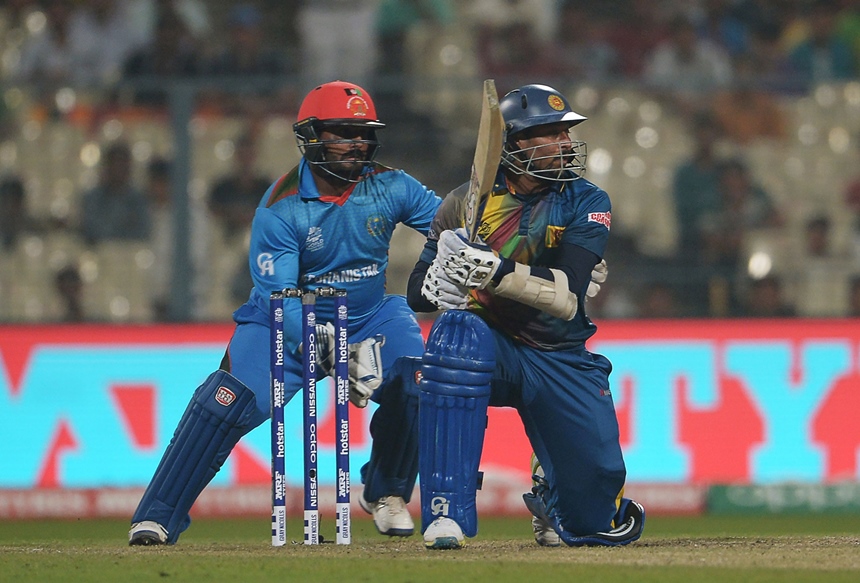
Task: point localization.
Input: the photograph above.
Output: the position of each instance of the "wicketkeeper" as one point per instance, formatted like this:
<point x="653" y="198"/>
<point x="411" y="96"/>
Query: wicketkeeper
<point x="327" y="222"/>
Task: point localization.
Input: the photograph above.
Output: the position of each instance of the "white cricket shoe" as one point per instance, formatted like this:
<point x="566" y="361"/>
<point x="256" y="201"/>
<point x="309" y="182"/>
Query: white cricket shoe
<point x="443" y="534"/>
<point x="390" y="515"/>
<point x="545" y="535"/>
<point x="147" y="533"/>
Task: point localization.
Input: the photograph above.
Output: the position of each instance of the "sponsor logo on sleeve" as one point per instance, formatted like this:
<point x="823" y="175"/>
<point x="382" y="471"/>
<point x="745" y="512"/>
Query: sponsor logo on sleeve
<point x="602" y="218"/>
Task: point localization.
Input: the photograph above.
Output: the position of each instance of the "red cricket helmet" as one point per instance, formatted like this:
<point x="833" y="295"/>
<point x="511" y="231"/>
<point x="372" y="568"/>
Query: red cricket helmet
<point x="337" y="103"/>
<point x="341" y="103"/>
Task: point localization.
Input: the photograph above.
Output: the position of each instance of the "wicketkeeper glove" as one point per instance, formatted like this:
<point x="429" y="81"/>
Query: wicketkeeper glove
<point x="365" y="369"/>
<point x="365" y="362"/>
<point x="440" y="291"/>
<point x="470" y="265"/>
<point x="325" y="341"/>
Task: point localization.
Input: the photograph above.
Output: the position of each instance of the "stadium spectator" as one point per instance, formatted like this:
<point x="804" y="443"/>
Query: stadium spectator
<point x="743" y="206"/>
<point x="823" y="55"/>
<point x="718" y="22"/>
<point x="69" y="287"/>
<point x="658" y="300"/>
<point x="115" y="209"/>
<point x="765" y="298"/>
<point x="686" y="67"/>
<point x="247" y="52"/>
<point x="745" y="111"/>
<point x="171" y="54"/>
<point x="395" y="19"/>
<point x="15" y="221"/>
<point x="162" y="204"/>
<point x="102" y="34"/>
<point x="636" y="28"/>
<point x="854" y="297"/>
<point x="820" y="272"/>
<point x="513" y="39"/>
<point x="695" y="190"/>
<point x="235" y="196"/>
<point x="194" y="15"/>
<point x="251" y="55"/>
<point x="337" y="39"/>
<point x="587" y="55"/>
<point x="769" y="61"/>
<point x="48" y="56"/>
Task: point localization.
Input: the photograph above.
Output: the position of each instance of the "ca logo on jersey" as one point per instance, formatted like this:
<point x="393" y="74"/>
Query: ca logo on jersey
<point x="266" y="264"/>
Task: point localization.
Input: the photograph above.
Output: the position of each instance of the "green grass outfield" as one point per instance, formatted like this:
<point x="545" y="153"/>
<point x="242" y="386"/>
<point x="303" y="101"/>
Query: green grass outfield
<point x="673" y="549"/>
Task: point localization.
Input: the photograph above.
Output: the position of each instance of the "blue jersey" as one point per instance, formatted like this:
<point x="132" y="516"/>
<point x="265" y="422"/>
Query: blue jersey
<point x="529" y="230"/>
<point x="302" y="239"/>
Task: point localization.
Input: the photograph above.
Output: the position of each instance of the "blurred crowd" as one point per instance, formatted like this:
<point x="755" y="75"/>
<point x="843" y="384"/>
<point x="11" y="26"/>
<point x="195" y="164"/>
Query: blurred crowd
<point x="763" y="213"/>
<point x="678" y="46"/>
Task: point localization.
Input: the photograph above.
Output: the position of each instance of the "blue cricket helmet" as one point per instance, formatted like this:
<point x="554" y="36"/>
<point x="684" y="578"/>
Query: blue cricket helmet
<point x="537" y="105"/>
<point x="534" y="105"/>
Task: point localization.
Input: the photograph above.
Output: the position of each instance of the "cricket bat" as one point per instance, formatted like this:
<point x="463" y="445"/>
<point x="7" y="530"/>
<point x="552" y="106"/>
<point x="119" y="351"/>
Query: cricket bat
<point x="488" y="154"/>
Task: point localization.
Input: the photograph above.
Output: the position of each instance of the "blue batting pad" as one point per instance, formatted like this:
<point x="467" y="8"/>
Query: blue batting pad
<point x="214" y="421"/>
<point x="458" y="365"/>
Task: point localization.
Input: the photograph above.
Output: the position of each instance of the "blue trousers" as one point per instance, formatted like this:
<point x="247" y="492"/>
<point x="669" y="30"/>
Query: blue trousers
<point x="392" y="468"/>
<point x="248" y="350"/>
<point x="177" y="482"/>
<point x="564" y="401"/>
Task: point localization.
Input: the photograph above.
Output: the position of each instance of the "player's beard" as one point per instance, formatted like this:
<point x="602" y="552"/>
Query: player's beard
<point x="348" y="166"/>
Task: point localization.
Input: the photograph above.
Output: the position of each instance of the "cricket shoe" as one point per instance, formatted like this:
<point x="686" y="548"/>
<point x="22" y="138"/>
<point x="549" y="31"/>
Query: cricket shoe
<point x="147" y="533"/>
<point x="444" y="534"/>
<point x="390" y="515"/>
<point x="545" y="534"/>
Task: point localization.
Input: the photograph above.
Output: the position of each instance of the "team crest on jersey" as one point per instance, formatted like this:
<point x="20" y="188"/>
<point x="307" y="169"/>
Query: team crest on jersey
<point x="553" y="236"/>
<point x="602" y="218"/>
<point x="375" y="225"/>
<point x="555" y="102"/>
<point x="315" y="241"/>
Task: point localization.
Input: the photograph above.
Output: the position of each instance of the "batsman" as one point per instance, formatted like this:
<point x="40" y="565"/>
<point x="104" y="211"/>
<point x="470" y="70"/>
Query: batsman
<point x="513" y="334"/>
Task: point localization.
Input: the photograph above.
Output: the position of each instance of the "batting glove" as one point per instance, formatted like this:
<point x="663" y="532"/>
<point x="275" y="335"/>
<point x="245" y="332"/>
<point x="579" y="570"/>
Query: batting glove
<point x="598" y="276"/>
<point x="365" y="369"/>
<point x="440" y="291"/>
<point x="467" y="264"/>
